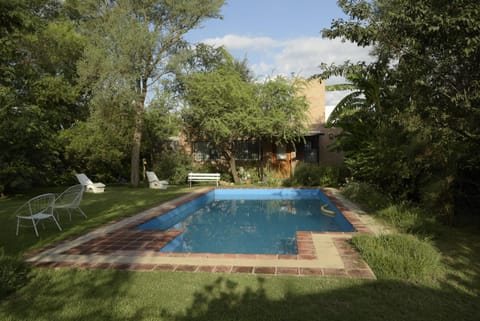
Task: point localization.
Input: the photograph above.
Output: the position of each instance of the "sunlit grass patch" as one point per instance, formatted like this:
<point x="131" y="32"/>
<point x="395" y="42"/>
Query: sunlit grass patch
<point x="400" y="256"/>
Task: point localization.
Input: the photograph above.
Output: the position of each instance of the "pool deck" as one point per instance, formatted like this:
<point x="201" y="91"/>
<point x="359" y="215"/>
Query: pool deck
<point x="119" y="246"/>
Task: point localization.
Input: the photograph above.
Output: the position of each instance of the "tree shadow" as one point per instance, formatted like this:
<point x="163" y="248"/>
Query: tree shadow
<point x="225" y="299"/>
<point x="461" y="255"/>
<point x="76" y="294"/>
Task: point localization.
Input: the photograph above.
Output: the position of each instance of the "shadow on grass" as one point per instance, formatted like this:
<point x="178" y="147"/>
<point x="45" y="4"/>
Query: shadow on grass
<point x="461" y="255"/>
<point x="381" y="300"/>
<point x="116" y="295"/>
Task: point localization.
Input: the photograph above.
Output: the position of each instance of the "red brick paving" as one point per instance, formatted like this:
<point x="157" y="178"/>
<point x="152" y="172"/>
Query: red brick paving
<point x="264" y="270"/>
<point x="242" y="269"/>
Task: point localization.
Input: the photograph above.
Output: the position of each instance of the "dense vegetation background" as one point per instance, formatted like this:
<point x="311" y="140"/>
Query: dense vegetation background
<point x="411" y="127"/>
<point x="74" y="82"/>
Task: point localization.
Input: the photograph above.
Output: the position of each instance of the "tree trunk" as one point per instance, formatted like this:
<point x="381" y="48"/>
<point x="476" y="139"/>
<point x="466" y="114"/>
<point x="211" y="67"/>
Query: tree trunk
<point x="137" y="140"/>
<point x="233" y="166"/>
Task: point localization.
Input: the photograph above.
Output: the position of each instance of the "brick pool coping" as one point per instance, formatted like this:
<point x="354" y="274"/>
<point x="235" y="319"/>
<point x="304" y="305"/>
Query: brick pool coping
<point x="119" y="246"/>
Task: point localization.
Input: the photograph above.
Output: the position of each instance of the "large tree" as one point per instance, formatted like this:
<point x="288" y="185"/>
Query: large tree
<point x="38" y="95"/>
<point x="221" y="109"/>
<point x="130" y="43"/>
<point x="224" y="105"/>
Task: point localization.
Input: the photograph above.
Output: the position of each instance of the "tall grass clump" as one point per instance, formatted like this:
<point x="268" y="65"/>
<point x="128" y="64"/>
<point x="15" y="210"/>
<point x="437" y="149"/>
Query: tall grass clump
<point x="367" y="196"/>
<point x="314" y="175"/>
<point x="400" y="216"/>
<point x="400" y="257"/>
<point x="13" y="274"/>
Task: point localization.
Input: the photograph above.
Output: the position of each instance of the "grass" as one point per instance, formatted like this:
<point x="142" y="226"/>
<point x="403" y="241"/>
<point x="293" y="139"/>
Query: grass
<point x="400" y="256"/>
<point x="116" y="202"/>
<point x="76" y="294"/>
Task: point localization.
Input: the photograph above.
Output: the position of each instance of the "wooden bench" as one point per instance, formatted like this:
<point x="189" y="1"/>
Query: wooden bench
<point x="203" y="177"/>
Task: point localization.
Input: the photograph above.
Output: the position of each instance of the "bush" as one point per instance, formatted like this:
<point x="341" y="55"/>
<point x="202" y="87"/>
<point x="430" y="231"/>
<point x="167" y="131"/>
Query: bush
<point x="314" y="175"/>
<point x="366" y="196"/>
<point x="174" y="166"/>
<point x="402" y="217"/>
<point x="399" y="256"/>
<point x="13" y="274"/>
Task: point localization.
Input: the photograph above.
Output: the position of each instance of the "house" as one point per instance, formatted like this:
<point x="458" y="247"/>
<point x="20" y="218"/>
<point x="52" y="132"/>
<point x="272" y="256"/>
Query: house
<point x="314" y="148"/>
<point x="281" y="160"/>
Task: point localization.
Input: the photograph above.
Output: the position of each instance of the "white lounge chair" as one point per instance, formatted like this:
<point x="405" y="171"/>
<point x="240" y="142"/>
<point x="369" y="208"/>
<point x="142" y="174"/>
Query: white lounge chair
<point x="154" y="182"/>
<point x="35" y="210"/>
<point x="89" y="185"/>
<point x="69" y="201"/>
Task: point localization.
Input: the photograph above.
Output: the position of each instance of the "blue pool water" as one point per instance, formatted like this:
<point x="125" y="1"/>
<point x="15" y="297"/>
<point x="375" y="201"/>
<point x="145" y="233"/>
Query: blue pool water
<point x="248" y="221"/>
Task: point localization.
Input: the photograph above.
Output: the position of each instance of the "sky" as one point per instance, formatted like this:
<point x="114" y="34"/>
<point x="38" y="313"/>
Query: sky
<point x="281" y="37"/>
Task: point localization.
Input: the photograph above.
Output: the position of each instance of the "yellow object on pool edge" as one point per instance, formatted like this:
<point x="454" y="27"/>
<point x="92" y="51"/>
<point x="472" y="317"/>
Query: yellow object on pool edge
<point x="327" y="211"/>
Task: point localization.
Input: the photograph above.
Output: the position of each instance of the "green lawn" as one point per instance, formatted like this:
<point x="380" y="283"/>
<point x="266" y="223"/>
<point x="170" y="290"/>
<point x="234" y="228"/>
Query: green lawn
<point x="71" y="294"/>
<point x="116" y="202"/>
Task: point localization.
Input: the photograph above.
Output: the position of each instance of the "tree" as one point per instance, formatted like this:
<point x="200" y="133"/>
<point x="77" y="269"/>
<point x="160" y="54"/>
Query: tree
<point x="284" y="110"/>
<point x="221" y="109"/>
<point x="429" y="91"/>
<point x="224" y="105"/>
<point x="38" y="93"/>
<point x="130" y="43"/>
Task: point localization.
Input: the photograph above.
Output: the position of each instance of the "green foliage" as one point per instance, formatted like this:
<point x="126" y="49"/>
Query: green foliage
<point x="38" y="93"/>
<point x="221" y="108"/>
<point x="367" y="196"/>
<point x="283" y="116"/>
<point x="224" y="105"/>
<point x="97" y="148"/>
<point x="14" y="274"/>
<point x="411" y="126"/>
<point x="317" y="175"/>
<point x="249" y="173"/>
<point x="173" y="166"/>
<point x="401" y="216"/>
<point x="129" y="46"/>
<point x="400" y="256"/>
<point x="340" y="87"/>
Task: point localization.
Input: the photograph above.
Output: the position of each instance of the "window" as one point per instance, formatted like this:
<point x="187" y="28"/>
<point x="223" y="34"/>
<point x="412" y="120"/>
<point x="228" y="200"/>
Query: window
<point x="311" y="151"/>
<point x="281" y="152"/>
<point x="247" y="150"/>
<point x="203" y="151"/>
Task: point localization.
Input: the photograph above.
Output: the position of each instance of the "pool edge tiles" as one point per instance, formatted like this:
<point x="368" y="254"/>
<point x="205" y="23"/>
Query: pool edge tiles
<point x="142" y="259"/>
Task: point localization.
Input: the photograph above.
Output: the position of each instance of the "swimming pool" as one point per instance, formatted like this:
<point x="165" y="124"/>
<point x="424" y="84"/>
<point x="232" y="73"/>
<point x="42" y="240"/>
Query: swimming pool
<point x="248" y="221"/>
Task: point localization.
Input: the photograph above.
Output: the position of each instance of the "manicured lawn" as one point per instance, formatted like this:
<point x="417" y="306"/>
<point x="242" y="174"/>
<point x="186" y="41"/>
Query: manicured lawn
<point x="75" y="294"/>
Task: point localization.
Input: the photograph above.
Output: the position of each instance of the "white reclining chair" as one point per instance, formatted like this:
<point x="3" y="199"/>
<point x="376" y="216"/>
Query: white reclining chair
<point x="35" y="210"/>
<point x="69" y="201"/>
<point x="89" y="185"/>
<point x="154" y="182"/>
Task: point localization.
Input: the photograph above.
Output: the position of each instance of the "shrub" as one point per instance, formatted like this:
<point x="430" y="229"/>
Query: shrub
<point x="399" y="256"/>
<point x="13" y="274"/>
<point x="174" y="166"/>
<point x="366" y="196"/>
<point x="271" y="179"/>
<point x="314" y="175"/>
<point x="400" y="216"/>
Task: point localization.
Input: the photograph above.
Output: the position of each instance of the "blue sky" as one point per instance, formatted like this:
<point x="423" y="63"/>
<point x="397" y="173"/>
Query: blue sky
<point x="280" y="37"/>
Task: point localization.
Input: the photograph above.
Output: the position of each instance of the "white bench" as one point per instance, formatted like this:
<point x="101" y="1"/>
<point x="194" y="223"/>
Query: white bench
<point x="203" y="177"/>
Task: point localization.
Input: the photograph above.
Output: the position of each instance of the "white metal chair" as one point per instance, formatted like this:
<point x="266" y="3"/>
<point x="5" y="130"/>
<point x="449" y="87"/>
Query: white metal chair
<point x="89" y="185"/>
<point x="35" y="210"/>
<point x="69" y="201"/>
<point x="154" y="182"/>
